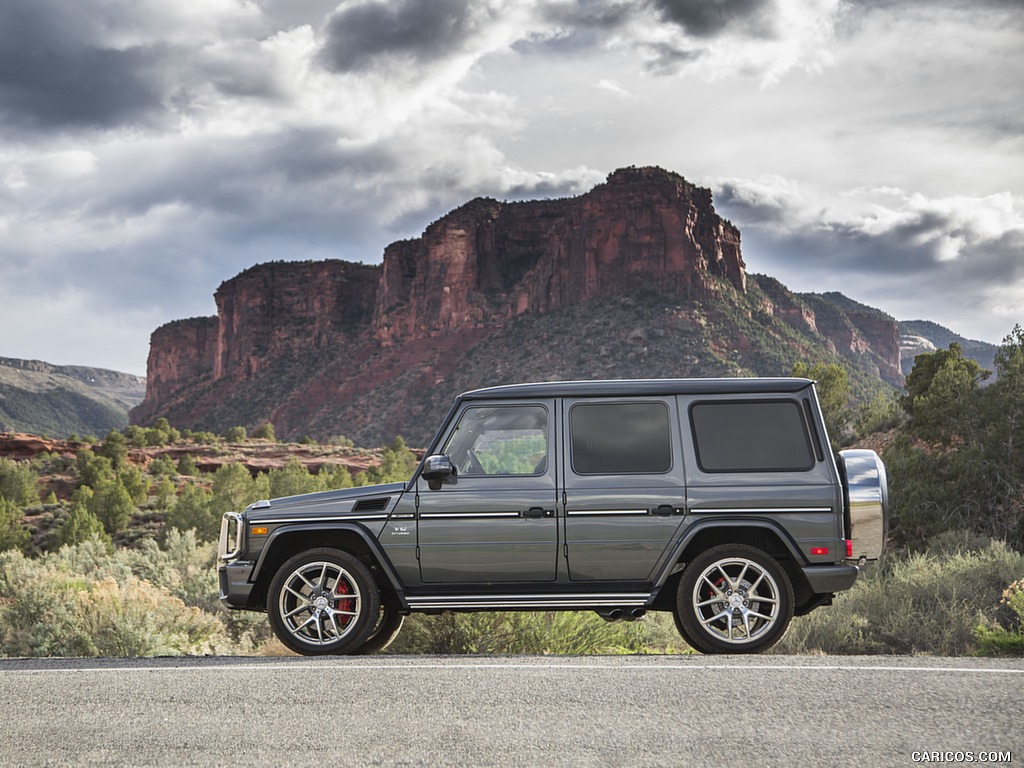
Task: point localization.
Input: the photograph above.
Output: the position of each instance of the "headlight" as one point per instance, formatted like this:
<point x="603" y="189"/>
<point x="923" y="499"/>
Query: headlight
<point x="230" y="543"/>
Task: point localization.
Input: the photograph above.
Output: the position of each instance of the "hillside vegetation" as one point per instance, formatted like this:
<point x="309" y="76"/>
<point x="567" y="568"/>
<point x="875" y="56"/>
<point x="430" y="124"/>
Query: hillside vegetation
<point x="56" y="400"/>
<point x="117" y="537"/>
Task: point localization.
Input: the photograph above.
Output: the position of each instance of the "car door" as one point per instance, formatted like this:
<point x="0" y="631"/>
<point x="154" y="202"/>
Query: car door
<point x="494" y="521"/>
<point x="624" y="486"/>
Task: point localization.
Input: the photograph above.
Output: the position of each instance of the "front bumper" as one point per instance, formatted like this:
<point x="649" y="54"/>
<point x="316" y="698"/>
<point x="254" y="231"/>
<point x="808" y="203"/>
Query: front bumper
<point x="235" y="585"/>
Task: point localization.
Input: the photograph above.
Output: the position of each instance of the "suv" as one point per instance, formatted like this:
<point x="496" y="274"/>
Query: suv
<point x="716" y="499"/>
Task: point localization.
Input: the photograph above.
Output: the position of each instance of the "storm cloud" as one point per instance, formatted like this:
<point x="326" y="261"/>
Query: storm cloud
<point x="150" y="150"/>
<point x="357" y="36"/>
<point x="50" y="77"/>
<point x="706" y="18"/>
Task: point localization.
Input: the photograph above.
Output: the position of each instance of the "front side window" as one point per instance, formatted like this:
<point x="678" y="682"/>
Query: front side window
<point x="620" y="438"/>
<point x="754" y="436"/>
<point x="502" y="440"/>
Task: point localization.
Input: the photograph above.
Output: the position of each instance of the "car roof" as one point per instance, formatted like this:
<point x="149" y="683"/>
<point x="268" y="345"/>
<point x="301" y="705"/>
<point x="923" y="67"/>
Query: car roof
<point x="648" y="387"/>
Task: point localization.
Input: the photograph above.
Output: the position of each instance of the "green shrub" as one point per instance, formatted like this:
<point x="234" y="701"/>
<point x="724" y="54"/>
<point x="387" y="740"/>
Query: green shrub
<point x="994" y="639"/>
<point x="165" y="494"/>
<point x="162" y="466"/>
<point x="192" y="511"/>
<point x="92" y="469"/>
<point x="88" y="600"/>
<point x="334" y="477"/>
<point x="80" y="526"/>
<point x="18" y="483"/>
<point x="112" y="504"/>
<point x="878" y="415"/>
<point x="235" y="434"/>
<point x="14" y="534"/>
<point x="135" y="482"/>
<point x="292" y="479"/>
<point x="115" y="448"/>
<point x="187" y="466"/>
<point x="396" y="465"/>
<point x="51" y="607"/>
<point x="234" y="489"/>
<point x="927" y="602"/>
<point x="264" y="431"/>
<point x="555" y="632"/>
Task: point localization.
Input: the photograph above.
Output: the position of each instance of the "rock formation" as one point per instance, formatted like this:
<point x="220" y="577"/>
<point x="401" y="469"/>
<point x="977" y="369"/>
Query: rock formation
<point x="488" y="261"/>
<point x="331" y="347"/>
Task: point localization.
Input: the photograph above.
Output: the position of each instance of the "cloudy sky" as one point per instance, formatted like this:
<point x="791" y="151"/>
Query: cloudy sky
<point x="150" y="149"/>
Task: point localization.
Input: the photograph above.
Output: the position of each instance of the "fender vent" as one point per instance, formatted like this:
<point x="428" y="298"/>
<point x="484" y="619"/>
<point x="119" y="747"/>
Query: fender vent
<point x="372" y="505"/>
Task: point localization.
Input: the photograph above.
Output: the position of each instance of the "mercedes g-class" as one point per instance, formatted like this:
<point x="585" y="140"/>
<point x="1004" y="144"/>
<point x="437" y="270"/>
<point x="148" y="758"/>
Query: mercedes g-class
<point x="719" y="500"/>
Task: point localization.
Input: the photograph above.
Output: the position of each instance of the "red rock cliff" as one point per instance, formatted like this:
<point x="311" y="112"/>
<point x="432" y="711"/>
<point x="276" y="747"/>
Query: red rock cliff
<point x="284" y="308"/>
<point x="328" y="348"/>
<point x="488" y="261"/>
<point x="179" y="352"/>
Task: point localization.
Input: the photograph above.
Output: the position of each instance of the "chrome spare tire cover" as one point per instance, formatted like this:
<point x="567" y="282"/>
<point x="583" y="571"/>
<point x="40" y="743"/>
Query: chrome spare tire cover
<point x="868" y="502"/>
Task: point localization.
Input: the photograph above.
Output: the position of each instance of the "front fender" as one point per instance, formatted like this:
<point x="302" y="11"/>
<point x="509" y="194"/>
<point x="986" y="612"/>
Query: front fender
<point x="321" y="534"/>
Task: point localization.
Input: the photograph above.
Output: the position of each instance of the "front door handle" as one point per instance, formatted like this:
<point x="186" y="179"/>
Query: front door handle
<point x="665" y="510"/>
<point x="538" y="512"/>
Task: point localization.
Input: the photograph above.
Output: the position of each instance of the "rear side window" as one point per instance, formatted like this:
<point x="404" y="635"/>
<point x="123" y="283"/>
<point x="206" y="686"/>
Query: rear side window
<point x="620" y="438"/>
<point x="755" y="436"/>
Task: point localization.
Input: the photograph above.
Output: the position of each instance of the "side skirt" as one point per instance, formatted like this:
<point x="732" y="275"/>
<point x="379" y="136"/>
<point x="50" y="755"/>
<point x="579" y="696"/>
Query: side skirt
<point x="570" y="602"/>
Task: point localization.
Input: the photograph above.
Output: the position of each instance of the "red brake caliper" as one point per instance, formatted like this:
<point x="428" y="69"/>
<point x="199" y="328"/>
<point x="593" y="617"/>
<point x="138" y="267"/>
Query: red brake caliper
<point x="343" y="604"/>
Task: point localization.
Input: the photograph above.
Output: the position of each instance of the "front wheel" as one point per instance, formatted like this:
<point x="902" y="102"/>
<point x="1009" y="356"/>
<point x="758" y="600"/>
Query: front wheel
<point x="389" y="624"/>
<point x="734" y="599"/>
<point x="323" y="601"/>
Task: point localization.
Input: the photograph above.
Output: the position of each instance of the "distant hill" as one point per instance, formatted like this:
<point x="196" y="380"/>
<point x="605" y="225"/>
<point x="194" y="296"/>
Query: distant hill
<point x="60" y="400"/>
<point x="920" y="336"/>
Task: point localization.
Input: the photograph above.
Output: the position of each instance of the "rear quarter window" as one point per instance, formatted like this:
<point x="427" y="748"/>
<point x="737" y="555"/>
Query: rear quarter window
<point x="751" y="436"/>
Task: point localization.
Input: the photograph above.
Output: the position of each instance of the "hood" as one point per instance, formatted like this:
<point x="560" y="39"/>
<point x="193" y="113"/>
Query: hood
<point x="327" y="502"/>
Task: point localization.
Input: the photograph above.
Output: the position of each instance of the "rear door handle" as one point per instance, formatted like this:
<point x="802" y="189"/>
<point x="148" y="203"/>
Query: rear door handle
<point x="538" y="512"/>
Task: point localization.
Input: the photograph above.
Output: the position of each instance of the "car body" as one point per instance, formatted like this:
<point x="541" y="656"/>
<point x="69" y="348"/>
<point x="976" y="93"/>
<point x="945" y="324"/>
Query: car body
<point x="719" y="500"/>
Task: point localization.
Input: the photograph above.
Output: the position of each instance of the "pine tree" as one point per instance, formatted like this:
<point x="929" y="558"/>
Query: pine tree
<point x="112" y="504"/>
<point x="81" y="525"/>
<point x="14" y="534"/>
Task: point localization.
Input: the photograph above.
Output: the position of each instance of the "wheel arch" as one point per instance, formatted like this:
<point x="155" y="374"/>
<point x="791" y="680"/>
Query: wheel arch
<point x="766" y="535"/>
<point x="289" y="540"/>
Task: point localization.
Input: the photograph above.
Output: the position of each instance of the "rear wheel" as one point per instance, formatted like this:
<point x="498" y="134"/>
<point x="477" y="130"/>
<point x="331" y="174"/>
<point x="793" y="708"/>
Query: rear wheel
<point x="323" y="601"/>
<point x="734" y="599"/>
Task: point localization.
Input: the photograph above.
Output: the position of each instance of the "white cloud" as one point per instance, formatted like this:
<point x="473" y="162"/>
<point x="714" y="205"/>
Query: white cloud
<point x="961" y="255"/>
<point x="612" y="86"/>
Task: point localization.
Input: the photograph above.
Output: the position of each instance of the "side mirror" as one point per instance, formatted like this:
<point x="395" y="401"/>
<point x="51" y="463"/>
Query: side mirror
<point x="438" y="469"/>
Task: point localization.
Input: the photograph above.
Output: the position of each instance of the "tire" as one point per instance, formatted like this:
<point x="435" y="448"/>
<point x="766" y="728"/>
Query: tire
<point x="683" y="631"/>
<point x="733" y="599"/>
<point x="388" y="626"/>
<point x="323" y="601"/>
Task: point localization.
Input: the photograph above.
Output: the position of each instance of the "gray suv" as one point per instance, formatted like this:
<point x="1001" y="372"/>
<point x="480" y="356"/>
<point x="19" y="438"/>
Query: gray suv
<point x="718" y="500"/>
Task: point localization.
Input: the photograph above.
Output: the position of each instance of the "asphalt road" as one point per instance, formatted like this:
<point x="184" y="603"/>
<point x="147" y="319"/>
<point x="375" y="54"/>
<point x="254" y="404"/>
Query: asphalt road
<point x="512" y="711"/>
